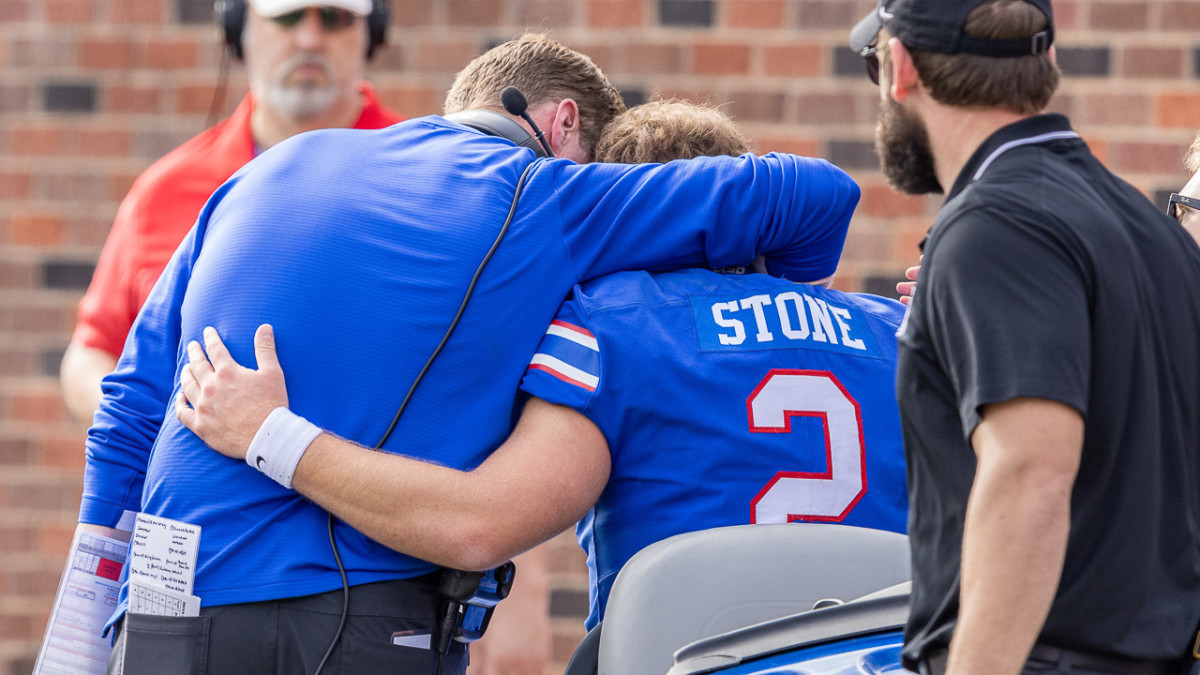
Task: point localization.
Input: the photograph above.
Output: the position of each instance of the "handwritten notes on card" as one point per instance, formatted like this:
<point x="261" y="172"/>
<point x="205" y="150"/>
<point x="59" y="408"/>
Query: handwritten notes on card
<point x="163" y="552"/>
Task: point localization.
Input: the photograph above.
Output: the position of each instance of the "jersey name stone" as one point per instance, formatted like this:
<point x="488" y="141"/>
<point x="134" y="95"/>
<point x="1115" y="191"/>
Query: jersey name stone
<point x="778" y="320"/>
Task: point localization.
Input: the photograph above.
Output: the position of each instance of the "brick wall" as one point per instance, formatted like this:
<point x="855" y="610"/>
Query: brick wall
<point x="92" y="91"/>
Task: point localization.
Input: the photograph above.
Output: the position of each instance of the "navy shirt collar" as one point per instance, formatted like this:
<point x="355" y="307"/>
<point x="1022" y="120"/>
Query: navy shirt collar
<point x="1027" y="128"/>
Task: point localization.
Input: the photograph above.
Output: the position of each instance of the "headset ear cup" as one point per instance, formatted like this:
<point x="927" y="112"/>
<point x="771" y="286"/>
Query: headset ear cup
<point x="377" y="25"/>
<point x="231" y="15"/>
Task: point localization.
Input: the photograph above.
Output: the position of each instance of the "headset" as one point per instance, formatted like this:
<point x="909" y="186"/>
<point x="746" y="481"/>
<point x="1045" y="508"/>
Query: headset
<point x="495" y="124"/>
<point x="231" y="15"/>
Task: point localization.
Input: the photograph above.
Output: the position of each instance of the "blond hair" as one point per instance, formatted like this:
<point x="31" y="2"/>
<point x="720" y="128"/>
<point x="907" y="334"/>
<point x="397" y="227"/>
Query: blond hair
<point x="544" y="70"/>
<point x="661" y="131"/>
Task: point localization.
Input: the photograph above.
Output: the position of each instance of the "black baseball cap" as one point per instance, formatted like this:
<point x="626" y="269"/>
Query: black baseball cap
<point x="936" y="26"/>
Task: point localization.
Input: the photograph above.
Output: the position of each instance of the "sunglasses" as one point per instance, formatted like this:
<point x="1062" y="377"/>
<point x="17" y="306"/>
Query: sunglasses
<point x="332" y="18"/>
<point x="1179" y="205"/>
<point x="870" y="53"/>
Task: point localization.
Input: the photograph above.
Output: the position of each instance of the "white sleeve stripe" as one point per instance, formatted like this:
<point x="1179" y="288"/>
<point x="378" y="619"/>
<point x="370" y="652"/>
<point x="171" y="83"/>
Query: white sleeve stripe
<point x="573" y="336"/>
<point x="565" y="368"/>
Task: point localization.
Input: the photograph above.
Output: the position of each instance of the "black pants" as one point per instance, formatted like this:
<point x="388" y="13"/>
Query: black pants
<point x="1049" y="660"/>
<point x="290" y="636"/>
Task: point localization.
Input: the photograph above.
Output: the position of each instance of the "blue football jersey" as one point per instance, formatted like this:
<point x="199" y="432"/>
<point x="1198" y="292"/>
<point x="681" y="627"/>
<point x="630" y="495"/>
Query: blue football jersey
<point x="726" y="400"/>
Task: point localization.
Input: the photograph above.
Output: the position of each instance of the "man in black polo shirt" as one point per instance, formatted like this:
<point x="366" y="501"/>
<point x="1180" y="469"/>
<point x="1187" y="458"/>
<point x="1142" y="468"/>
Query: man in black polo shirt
<point x="1049" y="378"/>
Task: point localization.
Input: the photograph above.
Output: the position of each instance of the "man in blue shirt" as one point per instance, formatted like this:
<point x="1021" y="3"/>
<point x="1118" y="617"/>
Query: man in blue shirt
<point x="362" y="260"/>
<point x="686" y="400"/>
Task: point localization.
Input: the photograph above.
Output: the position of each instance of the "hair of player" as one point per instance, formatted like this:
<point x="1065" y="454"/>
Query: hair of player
<point x="544" y="70"/>
<point x="661" y="131"/>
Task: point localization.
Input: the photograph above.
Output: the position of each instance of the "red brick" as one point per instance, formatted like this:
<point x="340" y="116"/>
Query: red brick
<point x="34" y="581"/>
<point x="178" y="52"/>
<point x="1123" y="15"/>
<point x="442" y="56"/>
<point x="408" y="13"/>
<point x="12" y="11"/>
<point x="412" y="101"/>
<point x="1179" y="16"/>
<point x="14" y="184"/>
<point x="48" y="491"/>
<point x="908" y="243"/>
<point x="88" y="230"/>
<point x="1116" y="109"/>
<point x="712" y="58"/>
<point x="1178" y="110"/>
<point x="103" y="142"/>
<point x="545" y="13"/>
<point x="601" y="53"/>
<point x="756" y="106"/>
<point x="1152" y="62"/>
<point x="62" y="452"/>
<point x="16" y="274"/>
<point x="35" y="406"/>
<point x="1098" y="146"/>
<point x="38" y="141"/>
<point x="36" y="229"/>
<point x="1062" y="103"/>
<point x="55" y="539"/>
<point x="795" y="145"/>
<point x="616" y="13"/>
<point x="754" y="13"/>
<point x="69" y="11"/>
<point x="134" y="12"/>
<point x="14" y="626"/>
<point x="194" y="98"/>
<point x="473" y="12"/>
<point x="32" y="319"/>
<point x="105" y="54"/>
<point x="16" y="98"/>
<point x="17" y="537"/>
<point x="42" y="51"/>
<point x="13" y="450"/>
<point x="653" y="58"/>
<point x="880" y="200"/>
<point x="122" y="98"/>
<point x="793" y="60"/>
<point x="820" y="15"/>
<point x="1066" y="15"/>
<point x="1146" y="157"/>
<point x="120" y="182"/>
<point x="71" y="186"/>
<point x="836" y="108"/>
<point x="867" y="245"/>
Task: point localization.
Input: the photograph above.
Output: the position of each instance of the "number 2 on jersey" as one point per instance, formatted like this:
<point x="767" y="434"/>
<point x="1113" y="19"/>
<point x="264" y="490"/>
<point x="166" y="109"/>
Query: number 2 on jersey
<point x="810" y="496"/>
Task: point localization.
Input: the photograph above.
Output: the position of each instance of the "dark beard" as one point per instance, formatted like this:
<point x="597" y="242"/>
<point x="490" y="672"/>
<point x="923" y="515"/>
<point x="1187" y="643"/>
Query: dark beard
<point x="902" y="143"/>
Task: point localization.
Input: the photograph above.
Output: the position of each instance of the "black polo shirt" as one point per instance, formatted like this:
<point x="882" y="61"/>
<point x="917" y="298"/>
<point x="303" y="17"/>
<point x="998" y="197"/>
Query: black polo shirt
<point x="1047" y="276"/>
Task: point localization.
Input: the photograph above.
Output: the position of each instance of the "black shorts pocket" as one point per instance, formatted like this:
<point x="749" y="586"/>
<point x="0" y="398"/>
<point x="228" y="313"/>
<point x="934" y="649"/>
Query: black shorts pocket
<point x="166" y="645"/>
<point x="370" y="657"/>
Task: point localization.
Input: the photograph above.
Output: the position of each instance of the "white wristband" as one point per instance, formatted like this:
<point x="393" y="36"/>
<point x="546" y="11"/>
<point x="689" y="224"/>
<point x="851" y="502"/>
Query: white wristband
<point x="279" y="444"/>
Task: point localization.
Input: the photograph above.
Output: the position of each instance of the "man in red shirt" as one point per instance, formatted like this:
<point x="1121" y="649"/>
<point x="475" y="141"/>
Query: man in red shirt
<point x="304" y="63"/>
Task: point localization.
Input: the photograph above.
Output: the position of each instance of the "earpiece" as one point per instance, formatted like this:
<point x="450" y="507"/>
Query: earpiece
<point x="231" y="16"/>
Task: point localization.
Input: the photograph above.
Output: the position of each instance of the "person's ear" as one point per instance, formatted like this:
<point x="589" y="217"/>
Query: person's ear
<point x="903" y="78"/>
<point x="566" y="126"/>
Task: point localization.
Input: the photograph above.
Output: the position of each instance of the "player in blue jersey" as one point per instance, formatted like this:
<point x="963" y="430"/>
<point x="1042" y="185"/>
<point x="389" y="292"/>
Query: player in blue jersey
<point x="360" y="247"/>
<point x="726" y="398"/>
<point x="686" y="400"/>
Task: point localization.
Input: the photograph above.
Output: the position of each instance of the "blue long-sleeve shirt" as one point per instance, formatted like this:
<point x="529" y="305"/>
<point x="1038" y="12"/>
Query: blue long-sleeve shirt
<point x="358" y="246"/>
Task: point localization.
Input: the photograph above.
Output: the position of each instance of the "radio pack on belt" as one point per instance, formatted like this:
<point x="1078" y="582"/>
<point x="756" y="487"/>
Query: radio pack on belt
<point x="470" y="599"/>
